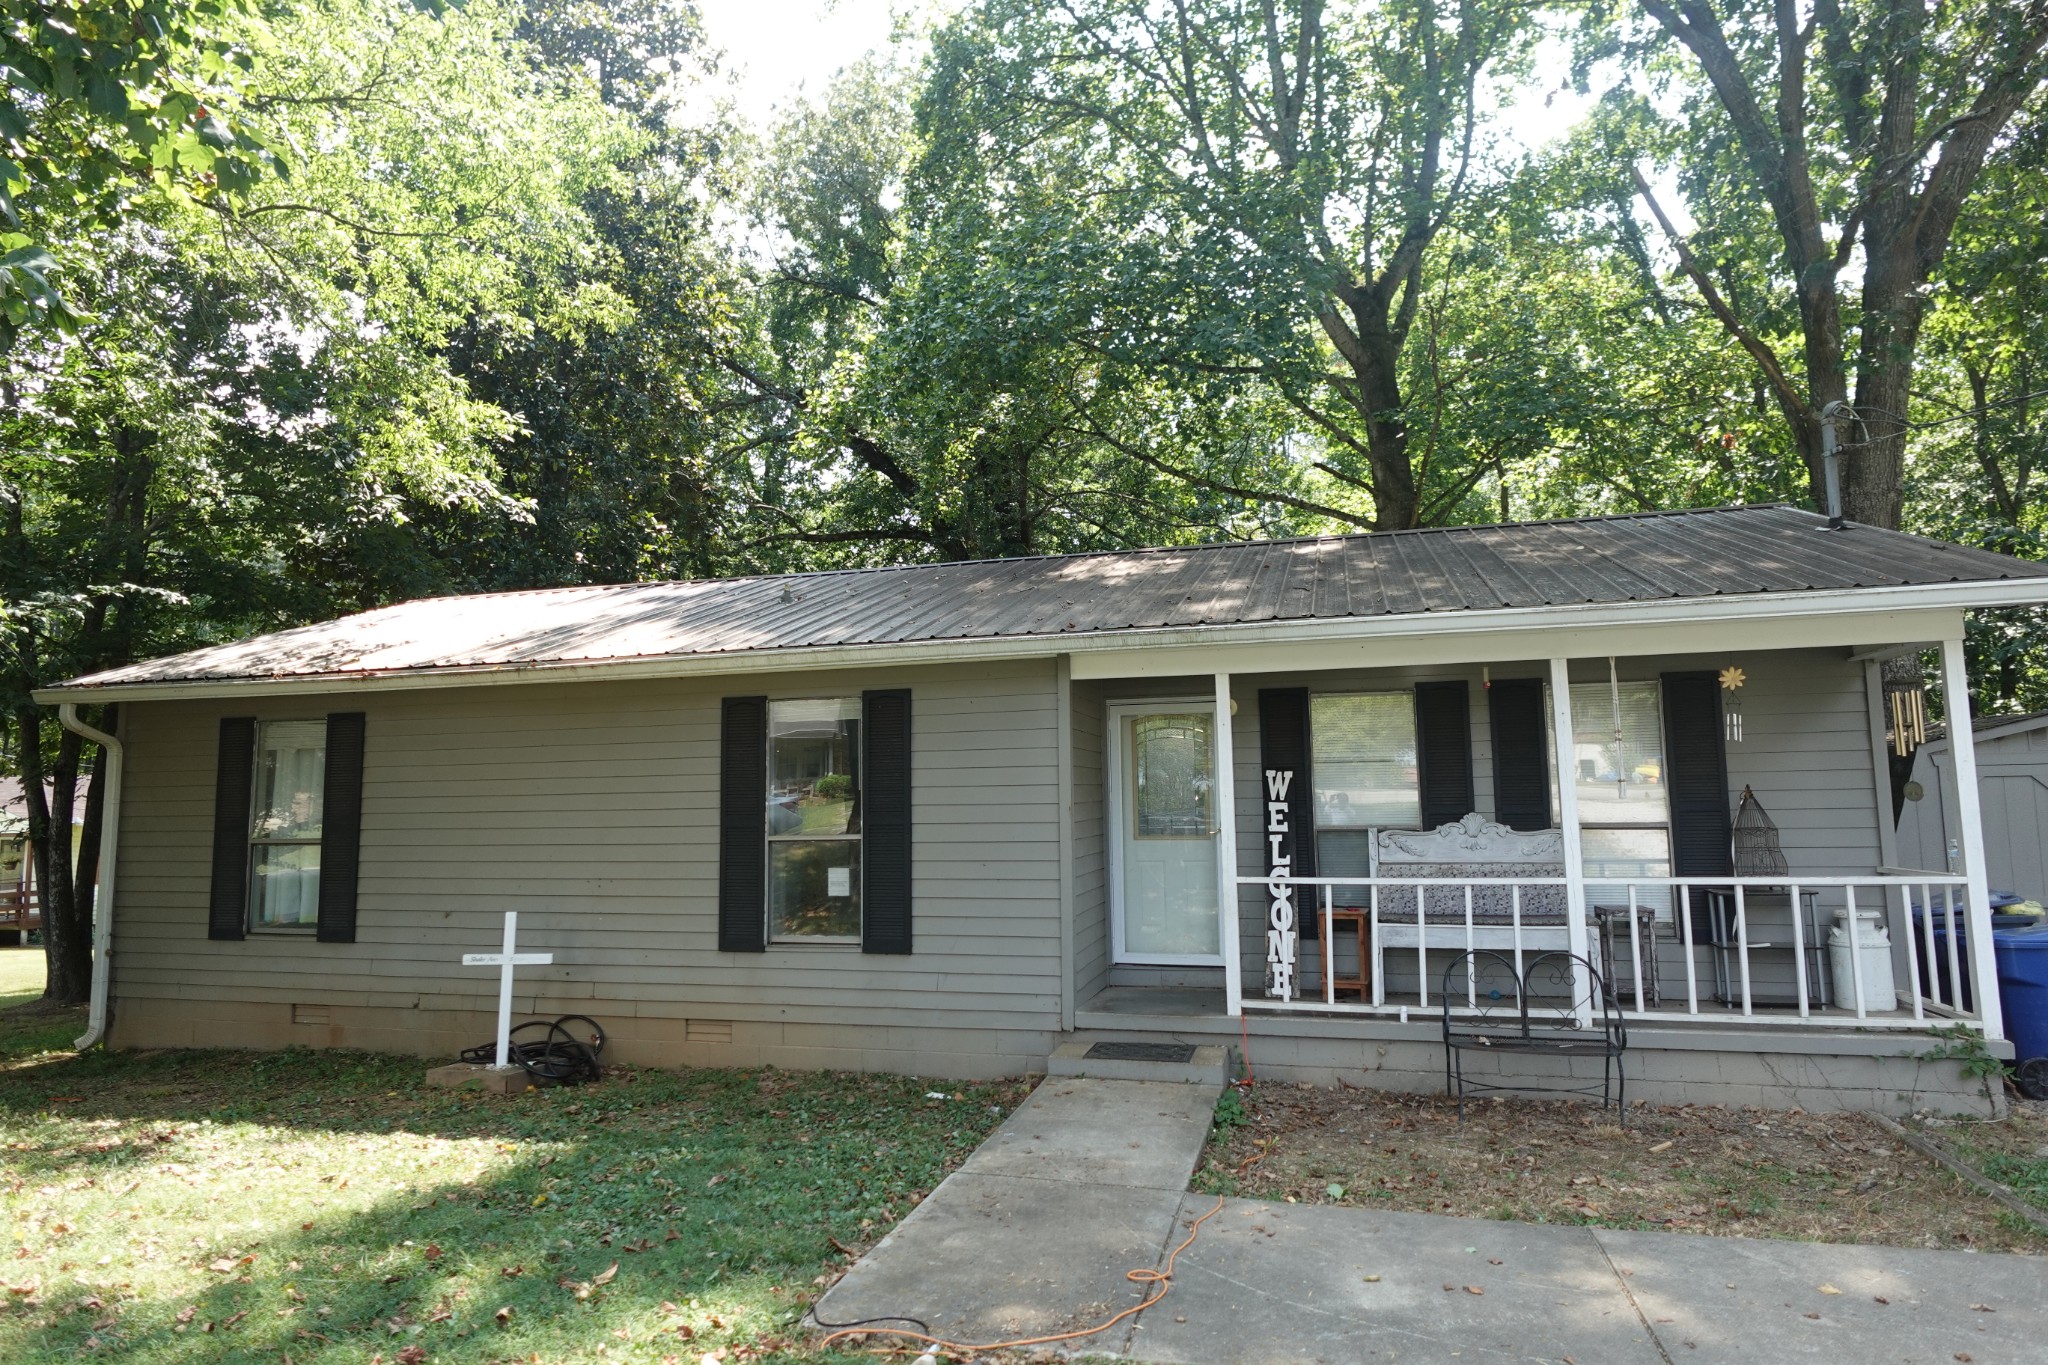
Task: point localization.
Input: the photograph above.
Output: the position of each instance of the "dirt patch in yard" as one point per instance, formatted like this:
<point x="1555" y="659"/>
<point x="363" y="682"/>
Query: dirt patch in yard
<point x="1728" y="1172"/>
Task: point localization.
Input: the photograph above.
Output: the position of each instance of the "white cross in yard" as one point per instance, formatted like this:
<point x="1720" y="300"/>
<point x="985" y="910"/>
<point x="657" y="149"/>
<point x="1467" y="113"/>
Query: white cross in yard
<point x="505" y="961"/>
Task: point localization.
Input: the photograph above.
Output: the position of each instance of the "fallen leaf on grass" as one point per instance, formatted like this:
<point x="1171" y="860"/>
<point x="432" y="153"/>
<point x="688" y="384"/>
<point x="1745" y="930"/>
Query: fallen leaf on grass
<point x="512" y="1272"/>
<point x="185" y="1313"/>
<point x="1663" y="1146"/>
<point x="432" y="1253"/>
<point x="606" y="1275"/>
<point x="504" y="1316"/>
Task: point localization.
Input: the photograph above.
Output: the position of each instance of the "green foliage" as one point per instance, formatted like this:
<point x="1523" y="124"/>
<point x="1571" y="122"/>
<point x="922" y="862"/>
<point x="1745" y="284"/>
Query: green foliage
<point x="103" y="101"/>
<point x="1961" y="1043"/>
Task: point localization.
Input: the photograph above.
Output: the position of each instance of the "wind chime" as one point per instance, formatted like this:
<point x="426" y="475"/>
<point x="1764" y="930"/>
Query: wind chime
<point x="1908" y="719"/>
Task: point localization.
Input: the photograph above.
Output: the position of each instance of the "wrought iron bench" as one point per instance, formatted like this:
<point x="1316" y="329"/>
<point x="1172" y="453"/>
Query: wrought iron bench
<point x="1555" y="1007"/>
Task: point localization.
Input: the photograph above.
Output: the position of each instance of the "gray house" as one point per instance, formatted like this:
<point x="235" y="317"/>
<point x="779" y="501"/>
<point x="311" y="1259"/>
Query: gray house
<point x="949" y="819"/>
<point x="2012" y="779"/>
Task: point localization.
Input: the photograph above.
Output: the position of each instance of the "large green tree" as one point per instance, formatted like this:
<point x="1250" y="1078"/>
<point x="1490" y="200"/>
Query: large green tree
<point x="1826" y="153"/>
<point x="258" y="394"/>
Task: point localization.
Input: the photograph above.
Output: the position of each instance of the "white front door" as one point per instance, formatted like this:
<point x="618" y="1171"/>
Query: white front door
<point x="1162" y="785"/>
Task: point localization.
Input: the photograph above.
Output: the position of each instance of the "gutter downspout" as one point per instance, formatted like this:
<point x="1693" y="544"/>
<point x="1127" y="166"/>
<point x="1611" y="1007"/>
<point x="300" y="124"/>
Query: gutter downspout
<point x="103" y="886"/>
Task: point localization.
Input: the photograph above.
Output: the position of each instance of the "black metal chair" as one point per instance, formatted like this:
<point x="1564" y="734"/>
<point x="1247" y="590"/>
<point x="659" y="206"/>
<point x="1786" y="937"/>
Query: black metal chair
<point x="1556" y="1006"/>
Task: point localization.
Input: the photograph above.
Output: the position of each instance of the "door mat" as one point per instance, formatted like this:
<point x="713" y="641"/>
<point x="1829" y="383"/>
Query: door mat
<point x="1141" y="1052"/>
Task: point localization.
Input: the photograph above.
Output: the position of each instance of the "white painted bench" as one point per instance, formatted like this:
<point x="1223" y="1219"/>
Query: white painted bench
<point x="1467" y="850"/>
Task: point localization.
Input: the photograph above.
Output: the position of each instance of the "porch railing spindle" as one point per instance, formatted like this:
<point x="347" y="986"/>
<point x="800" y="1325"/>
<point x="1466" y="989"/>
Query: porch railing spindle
<point x="1927" y="942"/>
<point x="1329" y="914"/>
<point x="1635" y="947"/>
<point x="1692" y="966"/>
<point x="1742" y="946"/>
<point x="1379" y="978"/>
<point x="1955" y="965"/>
<point x="1905" y="936"/>
<point x="1856" y="957"/>
<point x="1515" y="919"/>
<point x="1421" y="950"/>
<point x="1471" y="987"/>
<point x="1799" y="952"/>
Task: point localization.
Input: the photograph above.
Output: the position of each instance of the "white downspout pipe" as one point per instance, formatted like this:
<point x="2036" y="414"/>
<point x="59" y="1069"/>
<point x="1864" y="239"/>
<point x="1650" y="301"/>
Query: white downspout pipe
<point x="103" y="886"/>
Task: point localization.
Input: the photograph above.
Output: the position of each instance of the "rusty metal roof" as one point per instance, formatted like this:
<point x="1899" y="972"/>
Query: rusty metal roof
<point x="1649" y="557"/>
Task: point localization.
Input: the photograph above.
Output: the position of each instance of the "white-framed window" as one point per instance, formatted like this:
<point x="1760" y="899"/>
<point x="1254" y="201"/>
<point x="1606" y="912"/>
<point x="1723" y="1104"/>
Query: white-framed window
<point x="814" y="820"/>
<point x="1619" y="773"/>
<point x="285" y="824"/>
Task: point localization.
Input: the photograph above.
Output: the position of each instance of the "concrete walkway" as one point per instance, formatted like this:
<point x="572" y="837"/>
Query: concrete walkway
<point x="1087" y="1180"/>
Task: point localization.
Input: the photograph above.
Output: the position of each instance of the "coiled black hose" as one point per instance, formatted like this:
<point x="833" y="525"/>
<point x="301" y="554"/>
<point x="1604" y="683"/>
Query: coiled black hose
<point x="556" y="1055"/>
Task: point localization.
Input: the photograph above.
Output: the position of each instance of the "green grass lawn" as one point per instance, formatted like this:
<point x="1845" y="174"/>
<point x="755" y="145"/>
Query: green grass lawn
<point x="21" y="975"/>
<point x="325" y="1206"/>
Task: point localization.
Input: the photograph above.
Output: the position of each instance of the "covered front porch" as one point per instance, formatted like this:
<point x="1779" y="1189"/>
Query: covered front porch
<point x="1399" y="802"/>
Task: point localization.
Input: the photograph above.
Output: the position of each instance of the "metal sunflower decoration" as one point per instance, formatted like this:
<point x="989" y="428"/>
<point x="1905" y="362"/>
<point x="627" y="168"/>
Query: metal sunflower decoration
<point x="1732" y="678"/>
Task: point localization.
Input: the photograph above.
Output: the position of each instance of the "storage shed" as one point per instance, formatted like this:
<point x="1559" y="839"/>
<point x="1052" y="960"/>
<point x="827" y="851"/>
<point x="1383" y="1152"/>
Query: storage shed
<point x="2012" y="767"/>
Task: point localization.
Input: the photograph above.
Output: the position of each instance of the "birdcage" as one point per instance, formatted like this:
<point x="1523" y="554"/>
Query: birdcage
<point x="1757" y="850"/>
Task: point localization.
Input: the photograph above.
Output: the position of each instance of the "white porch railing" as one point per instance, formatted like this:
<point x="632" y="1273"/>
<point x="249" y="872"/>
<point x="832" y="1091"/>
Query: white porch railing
<point x="1652" y="933"/>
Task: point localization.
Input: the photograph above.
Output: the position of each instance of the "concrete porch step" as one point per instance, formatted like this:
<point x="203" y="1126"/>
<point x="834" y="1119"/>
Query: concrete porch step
<point x="1209" y="1064"/>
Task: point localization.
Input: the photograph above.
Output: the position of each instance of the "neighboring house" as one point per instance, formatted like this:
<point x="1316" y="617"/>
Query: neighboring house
<point x="2012" y="775"/>
<point x="20" y="901"/>
<point x="941" y="819"/>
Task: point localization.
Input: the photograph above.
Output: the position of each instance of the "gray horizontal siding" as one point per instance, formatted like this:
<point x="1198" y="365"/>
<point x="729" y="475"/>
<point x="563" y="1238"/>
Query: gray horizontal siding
<point x="593" y="809"/>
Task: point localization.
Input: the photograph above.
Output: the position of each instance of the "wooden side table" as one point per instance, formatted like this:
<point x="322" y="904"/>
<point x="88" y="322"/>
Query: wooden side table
<point x="1360" y="923"/>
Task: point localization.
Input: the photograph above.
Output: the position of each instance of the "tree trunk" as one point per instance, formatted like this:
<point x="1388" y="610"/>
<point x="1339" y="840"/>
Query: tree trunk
<point x="1371" y="349"/>
<point x="67" y="917"/>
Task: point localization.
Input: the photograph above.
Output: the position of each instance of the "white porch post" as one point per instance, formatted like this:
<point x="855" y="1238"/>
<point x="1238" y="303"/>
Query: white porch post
<point x="1226" y="852"/>
<point x="1962" y="743"/>
<point x="1568" y="818"/>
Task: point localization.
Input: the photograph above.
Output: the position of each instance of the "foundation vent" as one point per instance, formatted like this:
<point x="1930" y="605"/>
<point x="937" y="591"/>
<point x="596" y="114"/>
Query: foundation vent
<point x="707" y="1030"/>
<point x="310" y="1014"/>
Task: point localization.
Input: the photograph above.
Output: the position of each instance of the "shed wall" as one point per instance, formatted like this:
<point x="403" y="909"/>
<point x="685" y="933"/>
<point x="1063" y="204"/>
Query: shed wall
<point x="2012" y="777"/>
<point x="593" y="810"/>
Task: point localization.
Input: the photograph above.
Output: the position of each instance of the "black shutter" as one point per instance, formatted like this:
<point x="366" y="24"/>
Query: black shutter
<point x="228" y="908"/>
<point x="1443" y="735"/>
<point x="885" y="829"/>
<point x="341" y="827"/>
<point x="1285" y="746"/>
<point x="1521" y="753"/>
<point x="743" y="826"/>
<point x="1701" y="830"/>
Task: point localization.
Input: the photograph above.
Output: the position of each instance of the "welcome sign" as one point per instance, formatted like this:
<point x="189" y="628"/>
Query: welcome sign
<point x="1283" y="939"/>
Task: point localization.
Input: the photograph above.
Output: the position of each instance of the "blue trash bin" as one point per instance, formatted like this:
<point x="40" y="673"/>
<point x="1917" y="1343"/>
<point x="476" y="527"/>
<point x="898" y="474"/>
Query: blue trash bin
<point x="1936" y="979"/>
<point x="2022" y="956"/>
